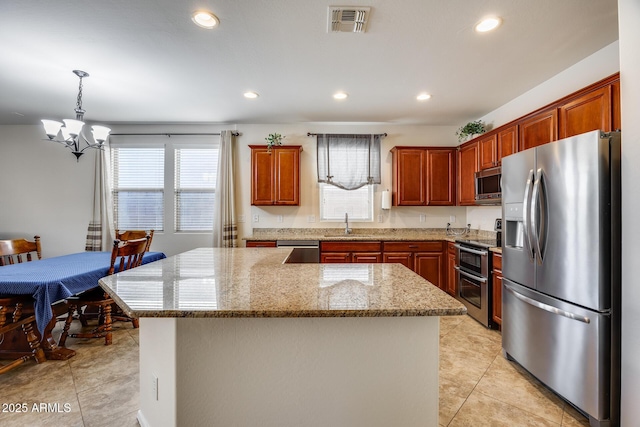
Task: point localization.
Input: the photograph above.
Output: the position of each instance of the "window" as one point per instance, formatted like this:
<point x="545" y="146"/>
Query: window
<point x="169" y="187"/>
<point x="335" y="202"/>
<point x="195" y="185"/>
<point x="138" y="188"/>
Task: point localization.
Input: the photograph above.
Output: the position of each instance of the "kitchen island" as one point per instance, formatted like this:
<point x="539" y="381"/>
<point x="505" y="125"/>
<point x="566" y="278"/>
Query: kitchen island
<point x="234" y="337"/>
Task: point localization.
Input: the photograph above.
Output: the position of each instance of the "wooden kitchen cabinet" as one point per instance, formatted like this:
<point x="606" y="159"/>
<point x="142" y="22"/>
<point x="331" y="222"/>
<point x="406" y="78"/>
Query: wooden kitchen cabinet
<point x="488" y="151"/>
<point x="452" y="283"/>
<point x="425" y="258"/>
<point x="507" y="142"/>
<point x="423" y="176"/>
<point x="591" y="111"/>
<point x="539" y="129"/>
<point x="275" y="175"/>
<point x="350" y="252"/>
<point x="496" y="289"/>
<point x="468" y="165"/>
<point x="261" y="244"/>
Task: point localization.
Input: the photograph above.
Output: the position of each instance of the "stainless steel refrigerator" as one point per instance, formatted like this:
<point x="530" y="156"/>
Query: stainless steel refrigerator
<point x="561" y="268"/>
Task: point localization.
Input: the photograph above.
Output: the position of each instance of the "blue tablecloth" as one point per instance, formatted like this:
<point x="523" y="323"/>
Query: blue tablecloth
<point x="53" y="279"/>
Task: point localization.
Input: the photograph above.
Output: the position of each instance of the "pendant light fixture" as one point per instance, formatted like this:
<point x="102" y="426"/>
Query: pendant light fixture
<point x="70" y="132"/>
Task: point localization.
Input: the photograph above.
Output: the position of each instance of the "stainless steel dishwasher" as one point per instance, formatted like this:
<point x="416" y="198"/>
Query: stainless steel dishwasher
<point x="304" y="251"/>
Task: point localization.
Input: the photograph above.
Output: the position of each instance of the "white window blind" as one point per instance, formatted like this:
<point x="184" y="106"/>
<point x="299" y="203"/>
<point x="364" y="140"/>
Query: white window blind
<point x="195" y="183"/>
<point x="348" y="161"/>
<point x="138" y="187"/>
<point x="335" y="202"/>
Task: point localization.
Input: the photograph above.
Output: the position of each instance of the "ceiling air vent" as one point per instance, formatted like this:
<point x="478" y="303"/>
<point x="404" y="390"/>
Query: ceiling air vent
<point x="348" y="19"/>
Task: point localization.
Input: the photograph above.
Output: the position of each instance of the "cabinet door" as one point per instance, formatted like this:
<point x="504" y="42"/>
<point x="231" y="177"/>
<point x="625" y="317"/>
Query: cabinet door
<point x="262" y="177"/>
<point x="366" y="257"/>
<point x="286" y="176"/>
<point x="539" y="129"/>
<point x="451" y="274"/>
<point x="404" y="258"/>
<point x="467" y="167"/>
<point x="335" y="257"/>
<point x="591" y="111"/>
<point x="488" y="149"/>
<point x="430" y="265"/>
<point x="507" y="142"/>
<point x="497" y="297"/>
<point x="441" y="177"/>
<point x="409" y="172"/>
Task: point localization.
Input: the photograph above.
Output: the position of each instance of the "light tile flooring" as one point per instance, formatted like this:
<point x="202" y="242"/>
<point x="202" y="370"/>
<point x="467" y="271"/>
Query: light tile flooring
<point x="478" y="387"/>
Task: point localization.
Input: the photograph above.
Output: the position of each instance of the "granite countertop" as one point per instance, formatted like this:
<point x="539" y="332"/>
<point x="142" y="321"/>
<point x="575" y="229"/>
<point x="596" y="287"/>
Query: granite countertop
<point x="254" y="282"/>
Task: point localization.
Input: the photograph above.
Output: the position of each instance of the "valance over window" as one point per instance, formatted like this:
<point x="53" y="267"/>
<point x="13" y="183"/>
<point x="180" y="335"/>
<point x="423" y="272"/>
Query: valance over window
<point x="348" y="161"/>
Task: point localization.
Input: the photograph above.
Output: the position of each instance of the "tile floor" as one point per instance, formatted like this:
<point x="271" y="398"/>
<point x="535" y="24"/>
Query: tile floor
<point x="478" y="387"/>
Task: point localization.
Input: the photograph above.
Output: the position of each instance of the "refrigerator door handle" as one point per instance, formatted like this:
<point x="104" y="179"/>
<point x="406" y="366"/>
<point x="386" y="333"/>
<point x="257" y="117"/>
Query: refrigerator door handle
<point x="538" y="217"/>
<point x="546" y="307"/>
<point x="527" y="214"/>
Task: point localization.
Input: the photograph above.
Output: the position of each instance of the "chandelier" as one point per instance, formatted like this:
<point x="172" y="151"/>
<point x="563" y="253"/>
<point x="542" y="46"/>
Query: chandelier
<point x="70" y="133"/>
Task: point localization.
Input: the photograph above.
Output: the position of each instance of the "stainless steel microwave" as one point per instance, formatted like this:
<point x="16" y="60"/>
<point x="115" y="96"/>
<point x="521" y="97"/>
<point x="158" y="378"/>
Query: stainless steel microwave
<point x="489" y="187"/>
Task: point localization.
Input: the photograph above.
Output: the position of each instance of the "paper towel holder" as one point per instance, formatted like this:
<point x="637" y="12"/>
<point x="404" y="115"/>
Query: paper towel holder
<point x="386" y="200"/>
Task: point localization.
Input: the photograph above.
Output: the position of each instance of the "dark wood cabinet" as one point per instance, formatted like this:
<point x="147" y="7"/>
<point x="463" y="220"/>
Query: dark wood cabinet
<point x="488" y="150"/>
<point x="350" y="252"/>
<point x="539" y="129"/>
<point x="507" y="142"/>
<point x="425" y="258"/>
<point x="261" y="243"/>
<point x="452" y="284"/>
<point x="497" y="288"/>
<point x="468" y="165"/>
<point x="275" y="175"/>
<point x="591" y="111"/>
<point x="423" y="176"/>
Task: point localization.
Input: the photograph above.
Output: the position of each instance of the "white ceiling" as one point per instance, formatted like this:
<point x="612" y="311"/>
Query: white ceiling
<point x="149" y="63"/>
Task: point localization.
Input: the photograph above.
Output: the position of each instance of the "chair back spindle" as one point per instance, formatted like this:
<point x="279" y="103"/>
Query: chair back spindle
<point x="13" y="250"/>
<point x="127" y="254"/>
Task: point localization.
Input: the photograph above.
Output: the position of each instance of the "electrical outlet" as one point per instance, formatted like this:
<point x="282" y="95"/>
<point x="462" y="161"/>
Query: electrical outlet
<point x="155" y="386"/>
<point x="423" y="218"/>
<point x="240" y="218"/>
<point x="256" y="218"/>
<point x="311" y="218"/>
<point x="452" y="219"/>
<point x="279" y="218"/>
<point x="380" y="218"/>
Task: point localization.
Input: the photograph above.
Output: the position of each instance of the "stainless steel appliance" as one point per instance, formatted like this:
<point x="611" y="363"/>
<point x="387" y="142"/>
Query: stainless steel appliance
<point x="304" y="251"/>
<point x="561" y="268"/>
<point x="488" y="186"/>
<point x="473" y="268"/>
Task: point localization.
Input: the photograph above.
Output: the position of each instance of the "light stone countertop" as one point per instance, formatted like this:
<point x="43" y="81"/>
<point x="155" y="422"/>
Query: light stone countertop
<point x="254" y="282"/>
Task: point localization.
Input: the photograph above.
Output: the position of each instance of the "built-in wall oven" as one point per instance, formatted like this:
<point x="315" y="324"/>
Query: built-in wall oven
<point x="473" y="271"/>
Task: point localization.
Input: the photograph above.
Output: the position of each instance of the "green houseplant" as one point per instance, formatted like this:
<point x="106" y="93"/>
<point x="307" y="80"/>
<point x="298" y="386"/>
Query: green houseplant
<point x="471" y="128"/>
<point x="273" y="139"/>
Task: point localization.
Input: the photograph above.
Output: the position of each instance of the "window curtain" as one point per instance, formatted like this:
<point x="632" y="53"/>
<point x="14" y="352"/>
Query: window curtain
<point x="100" y="233"/>
<point x="225" y="226"/>
<point x="348" y="161"/>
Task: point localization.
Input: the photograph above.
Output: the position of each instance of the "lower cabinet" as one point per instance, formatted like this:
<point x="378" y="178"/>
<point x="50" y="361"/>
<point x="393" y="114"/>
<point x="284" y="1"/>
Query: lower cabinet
<point x="425" y="258"/>
<point x="350" y="252"/>
<point x="452" y="285"/>
<point x="496" y="284"/>
<point x="261" y="243"/>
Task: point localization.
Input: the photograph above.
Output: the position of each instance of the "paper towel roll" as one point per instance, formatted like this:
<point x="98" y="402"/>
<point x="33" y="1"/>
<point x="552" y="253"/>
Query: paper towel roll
<point x="386" y="199"/>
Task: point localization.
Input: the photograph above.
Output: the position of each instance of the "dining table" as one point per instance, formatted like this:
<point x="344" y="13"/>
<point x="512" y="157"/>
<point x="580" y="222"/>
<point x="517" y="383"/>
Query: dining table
<point x="49" y="281"/>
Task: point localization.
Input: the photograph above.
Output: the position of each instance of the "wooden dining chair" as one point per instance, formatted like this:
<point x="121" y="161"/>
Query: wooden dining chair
<point x="125" y="255"/>
<point x="135" y="234"/>
<point x="17" y="311"/>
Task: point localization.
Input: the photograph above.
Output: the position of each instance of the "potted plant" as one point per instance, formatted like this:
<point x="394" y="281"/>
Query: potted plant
<point x="470" y="129"/>
<point x="273" y="139"/>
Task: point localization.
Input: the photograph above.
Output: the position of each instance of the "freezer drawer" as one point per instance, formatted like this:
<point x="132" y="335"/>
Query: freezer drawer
<point x="565" y="346"/>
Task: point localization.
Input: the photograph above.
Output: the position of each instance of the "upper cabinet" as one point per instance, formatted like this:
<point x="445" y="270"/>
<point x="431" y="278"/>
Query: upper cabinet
<point x="468" y="165"/>
<point x="275" y="175"/>
<point x="507" y="142"/>
<point x="488" y="150"/>
<point x="495" y="145"/>
<point x="539" y="129"/>
<point x="424" y="176"/>
<point x="588" y="112"/>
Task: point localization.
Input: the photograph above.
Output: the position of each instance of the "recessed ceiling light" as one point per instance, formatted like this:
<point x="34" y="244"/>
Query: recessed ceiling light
<point x="251" y="95"/>
<point x="423" y="97"/>
<point x="340" y="95"/>
<point x="488" y="24"/>
<point x="205" y="19"/>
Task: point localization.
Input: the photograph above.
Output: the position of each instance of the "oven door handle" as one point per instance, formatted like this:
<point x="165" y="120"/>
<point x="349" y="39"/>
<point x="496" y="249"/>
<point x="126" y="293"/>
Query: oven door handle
<point x="464" y="273"/>
<point x="473" y="251"/>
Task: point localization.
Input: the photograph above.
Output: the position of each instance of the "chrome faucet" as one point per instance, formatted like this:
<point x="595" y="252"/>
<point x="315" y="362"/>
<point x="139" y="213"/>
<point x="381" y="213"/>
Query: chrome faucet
<point x="347" y="230"/>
